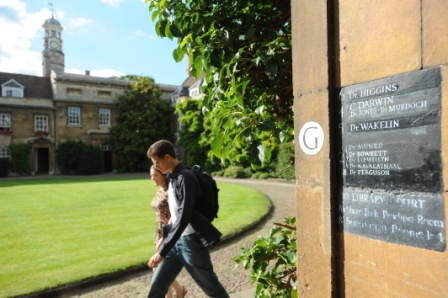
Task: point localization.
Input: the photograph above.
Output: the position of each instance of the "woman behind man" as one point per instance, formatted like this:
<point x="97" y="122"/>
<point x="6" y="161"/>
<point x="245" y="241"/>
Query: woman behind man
<point x="160" y="206"/>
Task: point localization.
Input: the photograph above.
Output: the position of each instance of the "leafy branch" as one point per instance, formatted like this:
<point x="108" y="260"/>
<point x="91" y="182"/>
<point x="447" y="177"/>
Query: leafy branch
<point x="244" y="50"/>
<point x="272" y="261"/>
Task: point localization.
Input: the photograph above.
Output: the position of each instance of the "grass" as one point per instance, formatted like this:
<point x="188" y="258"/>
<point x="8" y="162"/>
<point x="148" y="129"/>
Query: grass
<point x="57" y="231"/>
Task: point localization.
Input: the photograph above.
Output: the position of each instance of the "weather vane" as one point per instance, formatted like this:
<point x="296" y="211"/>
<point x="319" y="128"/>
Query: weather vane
<point x="52" y="9"/>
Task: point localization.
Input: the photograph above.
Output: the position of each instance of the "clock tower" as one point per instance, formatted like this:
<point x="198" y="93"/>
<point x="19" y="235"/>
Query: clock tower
<point x="52" y="55"/>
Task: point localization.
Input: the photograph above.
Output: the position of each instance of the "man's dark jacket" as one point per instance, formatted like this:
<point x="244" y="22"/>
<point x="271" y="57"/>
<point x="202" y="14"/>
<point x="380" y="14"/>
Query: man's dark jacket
<point x="187" y="193"/>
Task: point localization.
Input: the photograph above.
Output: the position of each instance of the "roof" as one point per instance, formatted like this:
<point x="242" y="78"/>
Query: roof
<point x="35" y="87"/>
<point x="87" y="79"/>
<point x="52" y="21"/>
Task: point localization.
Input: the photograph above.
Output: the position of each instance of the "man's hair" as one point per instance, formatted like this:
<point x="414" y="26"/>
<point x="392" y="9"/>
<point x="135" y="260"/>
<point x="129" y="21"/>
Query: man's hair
<point x="160" y="149"/>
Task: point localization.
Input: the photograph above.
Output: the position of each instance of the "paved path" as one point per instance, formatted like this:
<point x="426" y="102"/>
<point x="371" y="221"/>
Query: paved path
<point x="235" y="281"/>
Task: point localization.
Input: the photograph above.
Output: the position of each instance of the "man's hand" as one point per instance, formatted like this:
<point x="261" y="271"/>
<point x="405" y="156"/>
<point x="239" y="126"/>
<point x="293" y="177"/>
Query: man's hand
<point x="155" y="261"/>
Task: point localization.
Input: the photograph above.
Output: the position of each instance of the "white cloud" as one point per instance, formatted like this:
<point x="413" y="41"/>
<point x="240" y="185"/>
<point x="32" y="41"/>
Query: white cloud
<point x="141" y="34"/>
<point x="112" y="2"/>
<point x="104" y="73"/>
<point x="79" y="22"/>
<point x="15" y="48"/>
<point x="19" y="28"/>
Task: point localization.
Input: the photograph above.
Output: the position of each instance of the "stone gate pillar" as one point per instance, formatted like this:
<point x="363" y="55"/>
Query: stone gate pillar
<point x="370" y="104"/>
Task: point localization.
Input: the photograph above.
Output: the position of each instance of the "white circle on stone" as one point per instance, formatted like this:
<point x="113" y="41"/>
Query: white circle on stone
<point x="311" y="138"/>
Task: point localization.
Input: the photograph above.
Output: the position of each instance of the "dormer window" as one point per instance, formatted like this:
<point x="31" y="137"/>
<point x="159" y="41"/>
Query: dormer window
<point x="12" y="88"/>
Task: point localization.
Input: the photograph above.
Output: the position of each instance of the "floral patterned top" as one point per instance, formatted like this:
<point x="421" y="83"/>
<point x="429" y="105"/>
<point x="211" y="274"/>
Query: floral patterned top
<point x="160" y="206"/>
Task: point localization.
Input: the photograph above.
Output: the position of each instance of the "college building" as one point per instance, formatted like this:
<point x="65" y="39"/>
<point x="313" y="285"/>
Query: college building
<point x="49" y="110"/>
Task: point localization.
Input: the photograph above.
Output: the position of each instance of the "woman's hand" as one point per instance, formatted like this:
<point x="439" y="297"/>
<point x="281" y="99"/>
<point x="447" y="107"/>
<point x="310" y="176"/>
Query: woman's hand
<point x="159" y="243"/>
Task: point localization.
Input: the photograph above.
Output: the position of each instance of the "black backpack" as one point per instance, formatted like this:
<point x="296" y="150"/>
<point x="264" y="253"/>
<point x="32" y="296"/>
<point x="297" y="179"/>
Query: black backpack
<point x="208" y="204"/>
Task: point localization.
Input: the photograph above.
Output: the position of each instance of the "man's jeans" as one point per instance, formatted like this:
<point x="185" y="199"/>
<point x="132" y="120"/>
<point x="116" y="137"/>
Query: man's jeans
<point x="191" y="253"/>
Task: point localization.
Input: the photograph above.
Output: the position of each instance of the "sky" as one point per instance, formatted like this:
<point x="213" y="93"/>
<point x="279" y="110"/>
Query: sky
<point x="106" y="37"/>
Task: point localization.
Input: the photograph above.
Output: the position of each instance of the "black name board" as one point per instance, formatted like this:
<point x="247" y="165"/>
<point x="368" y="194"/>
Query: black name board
<point x="391" y="143"/>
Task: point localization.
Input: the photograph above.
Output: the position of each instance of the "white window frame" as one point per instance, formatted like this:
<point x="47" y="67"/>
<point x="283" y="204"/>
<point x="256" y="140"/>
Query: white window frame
<point x="74" y="116"/>
<point x="104" y="117"/>
<point x="5" y="153"/>
<point x="105" y="147"/>
<point x="194" y="91"/>
<point x="5" y="121"/>
<point x="12" y="88"/>
<point x="41" y="123"/>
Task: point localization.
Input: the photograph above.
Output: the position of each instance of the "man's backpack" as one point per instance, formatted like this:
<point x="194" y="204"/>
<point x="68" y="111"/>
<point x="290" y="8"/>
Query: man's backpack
<point x="208" y="204"/>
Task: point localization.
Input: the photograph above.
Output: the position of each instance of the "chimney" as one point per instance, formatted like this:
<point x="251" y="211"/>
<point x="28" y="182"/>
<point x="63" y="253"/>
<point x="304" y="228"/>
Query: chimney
<point x="87" y="72"/>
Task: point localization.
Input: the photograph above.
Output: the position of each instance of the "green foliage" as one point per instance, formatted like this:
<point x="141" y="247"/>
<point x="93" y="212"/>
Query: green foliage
<point x="260" y="175"/>
<point x="144" y="119"/>
<point x="20" y="158"/>
<point x="192" y="127"/>
<point x="4" y="167"/>
<point x="272" y="261"/>
<point x="285" y="161"/>
<point x="236" y="172"/>
<point x="79" y="158"/>
<point x="244" y="49"/>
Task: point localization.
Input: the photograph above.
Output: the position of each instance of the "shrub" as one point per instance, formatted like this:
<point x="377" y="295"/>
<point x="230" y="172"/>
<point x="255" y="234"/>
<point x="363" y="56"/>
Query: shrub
<point x="78" y="158"/>
<point x="272" y="261"/>
<point x="263" y="175"/>
<point x="235" y="172"/>
<point x="4" y="167"/>
<point x="285" y="161"/>
<point x="20" y="158"/>
<point x="218" y="173"/>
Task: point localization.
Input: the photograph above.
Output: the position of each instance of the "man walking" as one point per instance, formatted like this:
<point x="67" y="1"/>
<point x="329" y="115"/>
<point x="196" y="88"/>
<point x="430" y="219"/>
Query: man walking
<point x="186" y="245"/>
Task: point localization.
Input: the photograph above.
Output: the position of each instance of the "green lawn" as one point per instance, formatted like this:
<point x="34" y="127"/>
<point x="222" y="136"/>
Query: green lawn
<point x="56" y="231"/>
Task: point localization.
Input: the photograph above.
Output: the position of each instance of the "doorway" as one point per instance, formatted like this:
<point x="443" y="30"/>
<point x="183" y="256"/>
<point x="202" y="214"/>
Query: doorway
<point x="42" y="161"/>
<point x="107" y="161"/>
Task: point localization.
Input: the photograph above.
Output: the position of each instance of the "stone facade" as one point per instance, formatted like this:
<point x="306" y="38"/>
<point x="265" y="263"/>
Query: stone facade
<point x="47" y="111"/>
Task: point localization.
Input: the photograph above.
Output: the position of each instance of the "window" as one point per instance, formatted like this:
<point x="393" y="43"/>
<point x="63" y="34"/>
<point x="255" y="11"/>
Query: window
<point x="12" y="88"/>
<point x="47" y="33"/>
<point x="74" y="116"/>
<point x="102" y="93"/>
<point x="195" y="89"/>
<point x="4" y="153"/>
<point x="104" y="117"/>
<point x="5" y="122"/>
<point x="105" y="147"/>
<point x="40" y="123"/>
<point x="53" y="33"/>
<point x="74" y="91"/>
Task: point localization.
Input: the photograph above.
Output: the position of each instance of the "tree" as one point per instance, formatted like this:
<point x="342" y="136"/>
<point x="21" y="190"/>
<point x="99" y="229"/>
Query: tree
<point x="20" y="158"/>
<point x="144" y="119"/>
<point x="79" y="158"/>
<point x="244" y="48"/>
<point x="191" y="120"/>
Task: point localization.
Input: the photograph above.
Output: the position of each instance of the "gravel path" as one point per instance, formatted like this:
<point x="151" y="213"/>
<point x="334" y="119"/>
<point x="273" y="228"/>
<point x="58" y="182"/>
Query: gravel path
<point x="137" y="285"/>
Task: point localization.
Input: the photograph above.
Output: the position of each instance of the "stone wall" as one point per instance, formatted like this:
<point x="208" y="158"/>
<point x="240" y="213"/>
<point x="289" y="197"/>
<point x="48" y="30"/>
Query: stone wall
<point x="337" y="44"/>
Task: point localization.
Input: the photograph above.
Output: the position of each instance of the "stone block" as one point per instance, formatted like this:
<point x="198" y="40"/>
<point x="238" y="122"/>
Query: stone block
<point x="310" y="46"/>
<point x="435" y="32"/>
<point x="313" y="195"/>
<point x="378" y="39"/>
